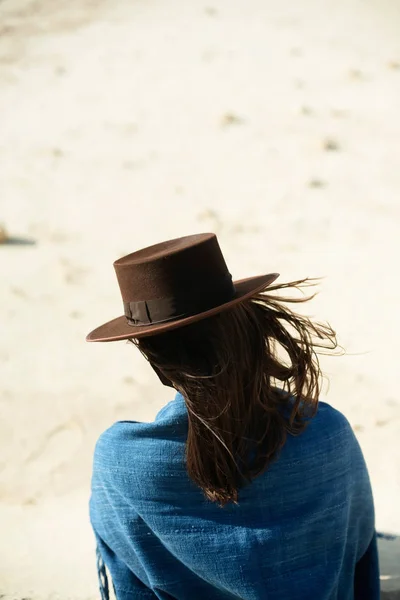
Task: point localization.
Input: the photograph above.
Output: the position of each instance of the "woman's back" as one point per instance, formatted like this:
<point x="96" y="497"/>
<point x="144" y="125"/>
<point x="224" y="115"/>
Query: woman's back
<point x="298" y="530"/>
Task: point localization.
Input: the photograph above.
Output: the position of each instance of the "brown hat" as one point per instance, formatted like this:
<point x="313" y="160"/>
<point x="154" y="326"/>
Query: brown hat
<point x="173" y="284"/>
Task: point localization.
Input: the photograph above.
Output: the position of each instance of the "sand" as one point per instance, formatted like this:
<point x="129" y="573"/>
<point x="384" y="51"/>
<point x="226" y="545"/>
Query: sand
<point x="277" y="126"/>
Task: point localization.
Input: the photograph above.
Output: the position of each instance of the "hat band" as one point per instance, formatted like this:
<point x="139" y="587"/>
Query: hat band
<point x="161" y="310"/>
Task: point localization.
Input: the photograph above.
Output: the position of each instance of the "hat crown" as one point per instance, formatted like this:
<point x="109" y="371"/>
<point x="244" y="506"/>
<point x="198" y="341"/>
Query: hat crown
<point x="174" y="279"/>
<point x="171" y="268"/>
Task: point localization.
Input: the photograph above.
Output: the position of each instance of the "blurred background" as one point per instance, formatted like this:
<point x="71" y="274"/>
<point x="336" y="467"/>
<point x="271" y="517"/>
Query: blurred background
<point x="274" y="124"/>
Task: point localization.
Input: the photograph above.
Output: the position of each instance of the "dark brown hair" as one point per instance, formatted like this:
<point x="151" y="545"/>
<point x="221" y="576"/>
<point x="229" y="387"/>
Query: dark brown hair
<point x="249" y="376"/>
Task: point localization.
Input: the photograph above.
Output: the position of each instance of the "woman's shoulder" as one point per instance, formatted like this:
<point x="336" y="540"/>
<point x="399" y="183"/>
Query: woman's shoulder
<point x="127" y="446"/>
<point x="328" y="438"/>
<point x="332" y="427"/>
<point x="332" y="418"/>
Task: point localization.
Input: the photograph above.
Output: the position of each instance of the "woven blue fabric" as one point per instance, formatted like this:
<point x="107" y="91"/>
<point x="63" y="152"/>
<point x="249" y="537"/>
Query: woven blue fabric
<point x="303" y="530"/>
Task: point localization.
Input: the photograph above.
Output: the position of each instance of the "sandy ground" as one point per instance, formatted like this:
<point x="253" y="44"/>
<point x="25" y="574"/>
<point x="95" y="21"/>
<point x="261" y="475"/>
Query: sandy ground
<point x="277" y="126"/>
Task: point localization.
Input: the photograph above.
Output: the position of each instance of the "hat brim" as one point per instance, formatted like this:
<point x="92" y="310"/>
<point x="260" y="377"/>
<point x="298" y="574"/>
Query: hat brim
<point x="120" y="329"/>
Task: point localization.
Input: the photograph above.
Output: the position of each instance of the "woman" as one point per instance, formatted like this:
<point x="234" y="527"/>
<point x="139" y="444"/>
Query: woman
<point x="244" y="486"/>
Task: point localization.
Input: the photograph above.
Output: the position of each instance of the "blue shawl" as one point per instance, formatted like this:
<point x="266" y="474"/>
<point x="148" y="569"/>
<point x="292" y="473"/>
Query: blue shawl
<point x="303" y="530"/>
